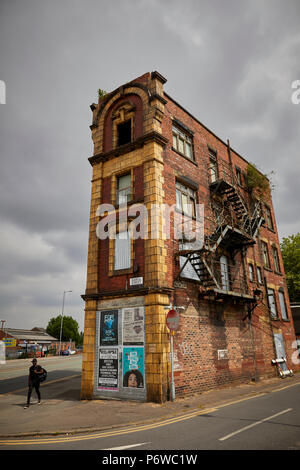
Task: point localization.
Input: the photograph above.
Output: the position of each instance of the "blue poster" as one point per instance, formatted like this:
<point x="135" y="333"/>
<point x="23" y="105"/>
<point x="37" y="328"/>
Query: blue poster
<point x="109" y="328"/>
<point x="133" y="367"/>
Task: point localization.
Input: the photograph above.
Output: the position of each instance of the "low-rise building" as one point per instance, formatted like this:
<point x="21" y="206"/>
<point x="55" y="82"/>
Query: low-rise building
<point x="35" y="342"/>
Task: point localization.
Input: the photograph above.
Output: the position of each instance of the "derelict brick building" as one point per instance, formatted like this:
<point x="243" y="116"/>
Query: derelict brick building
<point x="235" y="315"/>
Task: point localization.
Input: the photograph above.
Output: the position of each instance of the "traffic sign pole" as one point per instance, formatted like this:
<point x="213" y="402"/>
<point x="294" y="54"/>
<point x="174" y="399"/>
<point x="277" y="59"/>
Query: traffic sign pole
<point x="172" y="321"/>
<point x="172" y="368"/>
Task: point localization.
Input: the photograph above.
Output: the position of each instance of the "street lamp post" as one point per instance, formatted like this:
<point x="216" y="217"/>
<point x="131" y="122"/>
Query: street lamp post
<point x="62" y="315"/>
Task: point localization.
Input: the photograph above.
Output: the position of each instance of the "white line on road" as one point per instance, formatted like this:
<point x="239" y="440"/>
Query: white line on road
<point x="254" y="424"/>
<point x="127" y="447"/>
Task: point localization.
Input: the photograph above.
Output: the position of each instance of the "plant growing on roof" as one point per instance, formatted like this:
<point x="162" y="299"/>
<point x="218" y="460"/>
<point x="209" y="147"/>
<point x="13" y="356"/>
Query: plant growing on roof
<point x="258" y="182"/>
<point x="101" y="93"/>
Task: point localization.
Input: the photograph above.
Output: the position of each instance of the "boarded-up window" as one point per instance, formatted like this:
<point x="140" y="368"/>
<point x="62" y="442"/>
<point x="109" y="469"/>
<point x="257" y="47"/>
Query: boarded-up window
<point x="122" y="251"/>
<point x="279" y="345"/>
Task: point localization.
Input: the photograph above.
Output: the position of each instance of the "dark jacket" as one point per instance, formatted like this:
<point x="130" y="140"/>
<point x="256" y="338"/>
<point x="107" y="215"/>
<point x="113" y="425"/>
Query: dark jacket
<point x="34" y="372"/>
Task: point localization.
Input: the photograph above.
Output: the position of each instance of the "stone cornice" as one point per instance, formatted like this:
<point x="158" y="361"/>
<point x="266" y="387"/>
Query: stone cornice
<point x="157" y="75"/>
<point x="129" y="292"/>
<point x="156" y="96"/>
<point x="138" y="143"/>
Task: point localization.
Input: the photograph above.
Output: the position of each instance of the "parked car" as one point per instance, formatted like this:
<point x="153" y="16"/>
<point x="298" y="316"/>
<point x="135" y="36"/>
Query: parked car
<point x="65" y="352"/>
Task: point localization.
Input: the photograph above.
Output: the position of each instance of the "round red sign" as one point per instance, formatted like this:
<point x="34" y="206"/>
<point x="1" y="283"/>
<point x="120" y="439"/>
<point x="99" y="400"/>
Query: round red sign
<point x="173" y="320"/>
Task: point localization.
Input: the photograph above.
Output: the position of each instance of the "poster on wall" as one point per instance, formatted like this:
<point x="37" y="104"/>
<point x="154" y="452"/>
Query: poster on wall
<point x="133" y="326"/>
<point x="109" y="328"/>
<point x="108" y="369"/>
<point x="133" y="367"/>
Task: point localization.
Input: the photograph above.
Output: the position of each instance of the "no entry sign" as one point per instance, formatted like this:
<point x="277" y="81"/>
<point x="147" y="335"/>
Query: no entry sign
<point x="173" y="320"/>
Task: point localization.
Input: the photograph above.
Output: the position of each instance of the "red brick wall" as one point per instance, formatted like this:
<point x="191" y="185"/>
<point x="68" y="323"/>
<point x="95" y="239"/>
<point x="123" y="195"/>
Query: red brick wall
<point x="120" y="281"/>
<point x="215" y="326"/>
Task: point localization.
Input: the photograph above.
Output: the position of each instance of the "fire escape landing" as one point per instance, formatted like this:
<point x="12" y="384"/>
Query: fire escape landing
<point x="230" y="227"/>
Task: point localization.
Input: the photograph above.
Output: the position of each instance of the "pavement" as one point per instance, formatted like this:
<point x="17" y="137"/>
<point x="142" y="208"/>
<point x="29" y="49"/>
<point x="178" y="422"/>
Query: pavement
<point x="62" y="411"/>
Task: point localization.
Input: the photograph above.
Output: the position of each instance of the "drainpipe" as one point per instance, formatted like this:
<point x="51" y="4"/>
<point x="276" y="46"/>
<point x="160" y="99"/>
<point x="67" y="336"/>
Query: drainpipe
<point x="255" y="375"/>
<point x="230" y="160"/>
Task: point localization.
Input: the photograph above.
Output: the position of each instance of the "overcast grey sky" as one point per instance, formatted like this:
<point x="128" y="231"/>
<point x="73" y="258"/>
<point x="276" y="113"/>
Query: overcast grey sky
<point x="230" y="63"/>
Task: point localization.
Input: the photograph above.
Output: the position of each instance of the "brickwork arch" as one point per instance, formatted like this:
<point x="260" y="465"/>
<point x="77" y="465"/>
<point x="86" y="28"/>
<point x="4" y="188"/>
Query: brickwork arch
<point x="98" y="125"/>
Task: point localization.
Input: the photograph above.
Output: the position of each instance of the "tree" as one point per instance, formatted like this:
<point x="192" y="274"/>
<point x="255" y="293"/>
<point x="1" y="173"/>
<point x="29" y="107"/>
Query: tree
<point x="290" y="248"/>
<point x="69" y="328"/>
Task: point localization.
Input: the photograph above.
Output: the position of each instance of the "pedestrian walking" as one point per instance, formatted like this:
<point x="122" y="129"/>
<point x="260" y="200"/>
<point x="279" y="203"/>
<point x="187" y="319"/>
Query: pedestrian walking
<point x="34" y="382"/>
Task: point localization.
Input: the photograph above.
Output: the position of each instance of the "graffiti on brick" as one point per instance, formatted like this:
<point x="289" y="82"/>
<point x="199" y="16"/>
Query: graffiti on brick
<point x="185" y="348"/>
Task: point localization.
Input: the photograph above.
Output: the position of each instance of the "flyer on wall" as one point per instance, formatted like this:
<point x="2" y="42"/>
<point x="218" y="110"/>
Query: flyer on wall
<point x="108" y="369"/>
<point x="133" y="326"/>
<point x="133" y="367"/>
<point x="109" y="328"/>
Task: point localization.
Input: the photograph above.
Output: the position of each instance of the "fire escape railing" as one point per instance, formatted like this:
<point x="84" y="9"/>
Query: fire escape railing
<point x="231" y="226"/>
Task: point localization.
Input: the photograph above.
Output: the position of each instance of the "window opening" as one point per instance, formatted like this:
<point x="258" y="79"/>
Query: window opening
<point x="272" y="303"/>
<point x="265" y="254"/>
<point x="282" y="305"/>
<point x="183" y="143"/>
<point x="276" y="259"/>
<point x="213" y="167"/>
<point x="251" y="272"/>
<point x="124" y="132"/>
<point x="185" y="199"/>
<point x="124" y="189"/>
<point x="259" y="275"/>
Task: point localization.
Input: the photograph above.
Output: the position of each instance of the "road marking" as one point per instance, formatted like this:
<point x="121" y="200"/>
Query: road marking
<point x="137" y="428"/>
<point x="283" y="388"/>
<point x="254" y="424"/>
<point x="42" y="384"/>
<point x="127" y="447"/>
<point x="36" y="441"/>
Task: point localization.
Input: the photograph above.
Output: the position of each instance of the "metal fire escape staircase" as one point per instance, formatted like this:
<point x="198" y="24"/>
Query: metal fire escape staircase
<point x="233" y="229"/>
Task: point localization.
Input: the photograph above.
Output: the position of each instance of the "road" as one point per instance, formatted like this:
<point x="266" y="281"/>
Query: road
<point x="14" y="373"/>
<point x="270" y="421"/>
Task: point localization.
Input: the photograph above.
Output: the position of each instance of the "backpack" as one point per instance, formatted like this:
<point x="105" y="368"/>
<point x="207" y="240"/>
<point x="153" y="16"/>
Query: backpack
<point x="43" y="376"/>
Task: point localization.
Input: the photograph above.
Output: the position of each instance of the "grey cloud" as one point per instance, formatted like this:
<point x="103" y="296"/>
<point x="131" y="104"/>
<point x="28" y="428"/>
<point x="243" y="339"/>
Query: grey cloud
<point x="230" y="64"/>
